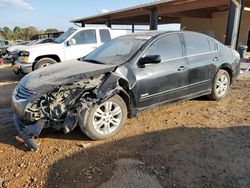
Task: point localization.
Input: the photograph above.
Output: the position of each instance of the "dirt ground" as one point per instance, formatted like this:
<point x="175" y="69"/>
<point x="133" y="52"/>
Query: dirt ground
<point x="198" y="143"/>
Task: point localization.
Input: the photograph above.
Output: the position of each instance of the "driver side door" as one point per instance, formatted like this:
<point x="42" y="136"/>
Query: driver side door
<point x="166" y="81"/>
<point x="83" y="42"/>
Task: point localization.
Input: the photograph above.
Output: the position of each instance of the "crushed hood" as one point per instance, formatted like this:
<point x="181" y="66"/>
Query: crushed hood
<point x="16" y="48"/>
<point x="41" y="46"/>
<point x="33" y="47"/>
<point x="48" y="78"/>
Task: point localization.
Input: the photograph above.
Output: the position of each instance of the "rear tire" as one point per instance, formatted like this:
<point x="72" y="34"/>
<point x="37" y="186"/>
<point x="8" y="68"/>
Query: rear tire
<point x="221" y="85"/>
<point x="104" y="120"/>
<point x="44" y="62"/>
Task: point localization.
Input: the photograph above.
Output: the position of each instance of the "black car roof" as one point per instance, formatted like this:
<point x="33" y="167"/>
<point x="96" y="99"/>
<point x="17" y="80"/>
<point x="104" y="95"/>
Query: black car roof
<point x="151" y="33"/>
<point x="156" y="34"/>
<point x="159" y="33"/>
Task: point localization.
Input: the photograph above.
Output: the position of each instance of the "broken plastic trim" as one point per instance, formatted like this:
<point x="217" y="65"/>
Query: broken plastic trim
<point x="28" y="133"/>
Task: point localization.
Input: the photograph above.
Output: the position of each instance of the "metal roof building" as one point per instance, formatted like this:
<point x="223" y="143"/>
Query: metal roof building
<point x="191" y="14"/>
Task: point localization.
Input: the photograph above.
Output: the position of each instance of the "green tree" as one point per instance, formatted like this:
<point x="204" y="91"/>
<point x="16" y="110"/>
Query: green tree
<point x="22" y="33"/>
<point x="18" y="33"/>
<point x="1" y="35"/>
<point x="50" y="30"/>
<point x="29" y="32"/>
<point x="7" y="33"/>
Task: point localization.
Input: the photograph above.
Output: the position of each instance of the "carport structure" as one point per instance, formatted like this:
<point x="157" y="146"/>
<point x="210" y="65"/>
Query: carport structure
<point x="219" y="18"/>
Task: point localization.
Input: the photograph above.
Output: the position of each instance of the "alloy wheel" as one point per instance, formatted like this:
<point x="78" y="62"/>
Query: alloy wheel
<point x="107" y="118"/>
<point x="222" y="85"/>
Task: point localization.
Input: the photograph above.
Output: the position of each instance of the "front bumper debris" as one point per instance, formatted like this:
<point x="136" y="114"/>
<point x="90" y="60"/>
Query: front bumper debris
<point x="23" y="68"/>
<point x="28" y="133"/>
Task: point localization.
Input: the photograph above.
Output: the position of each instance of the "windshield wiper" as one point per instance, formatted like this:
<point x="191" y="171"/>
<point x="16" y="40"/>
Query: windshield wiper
<point x="92" y="61"/>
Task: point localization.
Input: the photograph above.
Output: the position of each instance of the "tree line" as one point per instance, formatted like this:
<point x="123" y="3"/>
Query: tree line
<point x="19" y="33"/>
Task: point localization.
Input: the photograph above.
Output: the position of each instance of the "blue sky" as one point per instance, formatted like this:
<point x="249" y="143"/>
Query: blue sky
<point x="45" y="14"/>
<point x="55" y="13"/>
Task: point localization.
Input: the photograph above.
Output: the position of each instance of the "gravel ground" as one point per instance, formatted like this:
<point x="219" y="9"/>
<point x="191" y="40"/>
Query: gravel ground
<point x="198" y="143"/>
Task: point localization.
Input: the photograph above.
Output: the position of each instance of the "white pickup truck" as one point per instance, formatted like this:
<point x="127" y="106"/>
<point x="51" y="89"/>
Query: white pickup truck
<point x="73" y="44"/>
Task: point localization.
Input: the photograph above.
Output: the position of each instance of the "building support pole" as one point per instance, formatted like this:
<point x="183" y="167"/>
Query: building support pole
<point x="108" y="23"/>
<point x="242" y="2"/>
<point x="133" y="28"/>
<point x="230" y="23"/>
<point x="153" y="19"/>
<point x="233" y="24"/>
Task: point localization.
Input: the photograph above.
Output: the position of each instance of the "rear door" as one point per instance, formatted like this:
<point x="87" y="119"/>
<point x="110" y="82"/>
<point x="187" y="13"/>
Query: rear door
<point x="202" y="56"/>
<point x="85" y="42"/>
<point x="166" y="81"/>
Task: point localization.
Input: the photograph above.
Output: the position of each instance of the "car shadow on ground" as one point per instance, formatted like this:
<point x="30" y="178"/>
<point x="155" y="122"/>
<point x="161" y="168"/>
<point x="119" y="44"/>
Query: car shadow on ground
<point x="178" y="157"/>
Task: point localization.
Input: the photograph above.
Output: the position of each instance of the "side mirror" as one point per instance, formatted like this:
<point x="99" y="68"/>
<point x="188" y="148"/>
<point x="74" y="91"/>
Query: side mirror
<point x="71" y="42"/>
<point x="150" y="59"/>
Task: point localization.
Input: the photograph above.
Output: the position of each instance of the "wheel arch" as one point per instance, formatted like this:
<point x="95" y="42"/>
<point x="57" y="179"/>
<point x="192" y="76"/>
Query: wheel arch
<point x="116" y="85"/>
<point x="227" y="67"/>
<point x="51" y="56"/>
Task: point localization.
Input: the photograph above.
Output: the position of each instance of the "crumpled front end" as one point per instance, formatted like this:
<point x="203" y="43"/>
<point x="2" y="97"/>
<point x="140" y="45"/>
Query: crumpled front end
<point x="58" y="109"/>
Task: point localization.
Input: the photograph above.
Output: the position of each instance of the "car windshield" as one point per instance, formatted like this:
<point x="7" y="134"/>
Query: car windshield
<point x="116" y="51"/>
<point x="65" y="35"/>
<point x="41" y="41"/>
<point x="31" y="43"/>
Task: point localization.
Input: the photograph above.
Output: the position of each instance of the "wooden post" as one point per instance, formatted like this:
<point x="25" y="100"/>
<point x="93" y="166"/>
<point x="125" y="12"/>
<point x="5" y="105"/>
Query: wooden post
<point x="233" y="23"/>
<point x="108" y="23"/>
<point x="153" y="19"/>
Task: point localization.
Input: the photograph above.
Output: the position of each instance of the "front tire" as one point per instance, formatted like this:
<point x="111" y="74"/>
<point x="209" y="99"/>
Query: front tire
<point x="220" y="86"/>
<point x="104" y="120"/>
<point x="44" y="62"/>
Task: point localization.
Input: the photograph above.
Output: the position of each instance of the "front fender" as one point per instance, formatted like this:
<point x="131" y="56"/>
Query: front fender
<point x="109" y="88"/>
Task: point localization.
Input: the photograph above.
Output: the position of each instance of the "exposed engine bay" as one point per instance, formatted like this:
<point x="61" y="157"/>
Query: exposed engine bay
<point x="60" y="108"/>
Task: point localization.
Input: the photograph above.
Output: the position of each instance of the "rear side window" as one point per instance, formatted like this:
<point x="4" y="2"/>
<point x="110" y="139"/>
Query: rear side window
<point x="196" y="44"/>
<point x="213" y="45"/>
<point x="168" y="47"/>
<point x="105" y="35"/>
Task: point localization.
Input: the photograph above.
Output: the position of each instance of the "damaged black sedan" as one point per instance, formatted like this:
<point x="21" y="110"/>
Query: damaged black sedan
<point x="120" y="79"/>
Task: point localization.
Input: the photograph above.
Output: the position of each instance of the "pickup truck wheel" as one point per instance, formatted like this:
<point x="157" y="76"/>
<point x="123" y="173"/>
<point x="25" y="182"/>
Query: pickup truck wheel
<point x="44" y="62"/>
<point x="220" y="86"/>
<point x="104" y="120"/>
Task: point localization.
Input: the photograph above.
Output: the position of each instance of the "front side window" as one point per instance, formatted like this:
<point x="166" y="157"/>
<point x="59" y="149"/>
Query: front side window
<point x="196" y="44"/>
<point x="65" y="35"/>
<point x="168" y="47"/>
<point x="105" y="35"/>
<point x="213" y="45"/>
<point x="85" y="37"/>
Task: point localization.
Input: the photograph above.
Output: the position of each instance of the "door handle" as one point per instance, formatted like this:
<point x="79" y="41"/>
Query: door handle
<point x="182" y="68"/>
<point x="215" y="59"/>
